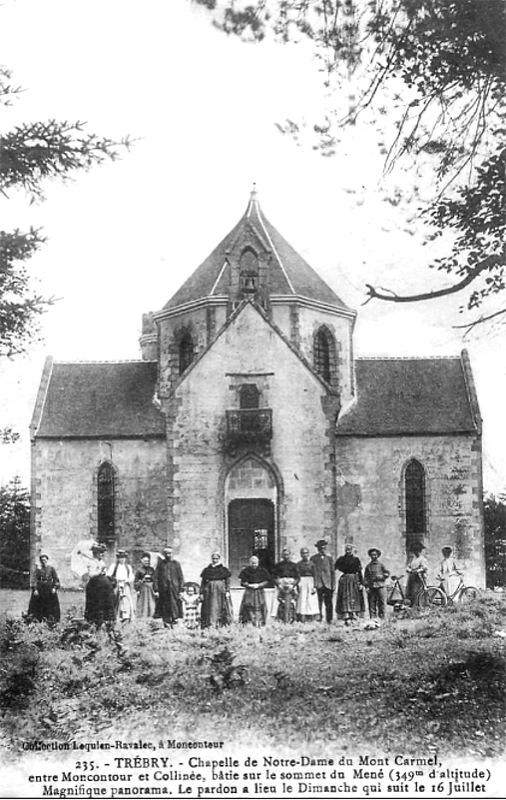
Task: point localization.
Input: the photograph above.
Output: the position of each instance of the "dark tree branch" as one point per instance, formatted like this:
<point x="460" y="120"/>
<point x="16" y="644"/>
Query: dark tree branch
<point x="392" y="297"/>
<point x="469" y="326"/>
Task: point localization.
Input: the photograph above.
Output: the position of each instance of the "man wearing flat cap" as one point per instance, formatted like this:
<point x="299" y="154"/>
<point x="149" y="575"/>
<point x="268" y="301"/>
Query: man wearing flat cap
<point x="324" y="579"/>
<point x="168" y="583"/>
<point x="375" y="575"/>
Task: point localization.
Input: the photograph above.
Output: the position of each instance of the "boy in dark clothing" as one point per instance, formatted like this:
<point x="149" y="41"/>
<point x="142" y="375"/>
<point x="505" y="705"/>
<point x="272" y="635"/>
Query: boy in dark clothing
<point x="375" y="575"/>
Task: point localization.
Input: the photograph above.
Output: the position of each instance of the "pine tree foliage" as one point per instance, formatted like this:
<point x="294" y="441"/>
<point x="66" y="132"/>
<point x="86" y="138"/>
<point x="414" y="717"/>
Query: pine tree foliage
<point x="14" y="534"/>
<point x="495" y="539"/>
<point x="32" y="154"/>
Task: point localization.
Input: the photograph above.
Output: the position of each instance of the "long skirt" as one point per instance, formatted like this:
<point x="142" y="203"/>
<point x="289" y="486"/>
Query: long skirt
<point x="45" y="605"/>
<point x="100" y="600"/>
<point x="146" y="601"/>
<point x="125" y="609"/>
<point x="216" y="610"/>
<point x="253" y="607"/>
<point x="350" y="600"/>
<point x="414" y="586"/>
<point x="307" y="601"/>
<point x="450" y="583"/>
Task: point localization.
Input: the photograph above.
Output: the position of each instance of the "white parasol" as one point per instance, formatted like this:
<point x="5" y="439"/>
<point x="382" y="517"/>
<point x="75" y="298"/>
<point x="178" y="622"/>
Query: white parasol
<point x="81" y="557"/>
<point x="155" y="558"/>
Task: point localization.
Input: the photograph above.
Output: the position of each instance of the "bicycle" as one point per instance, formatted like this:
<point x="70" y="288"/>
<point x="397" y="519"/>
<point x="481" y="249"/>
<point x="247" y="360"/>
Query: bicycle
<point x="428" y="596"/>
<point x="462" y="594"/>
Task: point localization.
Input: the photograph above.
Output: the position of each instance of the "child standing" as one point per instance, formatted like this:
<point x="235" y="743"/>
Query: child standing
<point x="191" y="600"/>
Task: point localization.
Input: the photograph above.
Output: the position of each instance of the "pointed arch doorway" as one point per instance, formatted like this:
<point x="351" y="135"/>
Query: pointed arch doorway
<point x="250" y="531"/>
<point x="251" y="499"/>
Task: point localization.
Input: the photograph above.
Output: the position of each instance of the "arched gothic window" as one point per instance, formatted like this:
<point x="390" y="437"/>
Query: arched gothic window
<point x="414" y="483"/>
<point x="186" y="352"/>
<point x="106" y="529"/>
<point x="323" y="345"/>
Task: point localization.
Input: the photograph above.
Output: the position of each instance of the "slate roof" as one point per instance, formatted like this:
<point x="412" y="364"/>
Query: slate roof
<point x="289" y="273"/>
<point x="101" y="400"/>
<point x="411" y="396"/>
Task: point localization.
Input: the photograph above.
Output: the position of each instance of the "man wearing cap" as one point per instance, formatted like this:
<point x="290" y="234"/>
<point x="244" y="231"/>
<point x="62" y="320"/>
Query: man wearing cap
<point x="375" y="575"/>
<point x="168" y="583"/>
<point x="324" y="579"/>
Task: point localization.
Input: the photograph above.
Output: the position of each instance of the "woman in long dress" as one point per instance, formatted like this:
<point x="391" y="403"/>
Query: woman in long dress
<point x="449" y="572"/>
<point x="44" y="603"/>
<point x="286" y="577"/>
<point x="100" y="601"/>
<point x="216" y="608"/>
<point x="307" y="600"/>
<point x="143" y="585"/>
<point x="123" y="575"/>
<point x="350" y="599"/>
<point x="417" y="569"/>
<point x="253" y="607"/>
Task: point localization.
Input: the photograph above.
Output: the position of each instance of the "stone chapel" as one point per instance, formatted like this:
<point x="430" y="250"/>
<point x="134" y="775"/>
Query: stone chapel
<point x="249" y="425"/>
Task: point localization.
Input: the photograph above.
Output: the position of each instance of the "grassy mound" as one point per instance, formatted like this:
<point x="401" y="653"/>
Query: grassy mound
<point x="436" y="679"/>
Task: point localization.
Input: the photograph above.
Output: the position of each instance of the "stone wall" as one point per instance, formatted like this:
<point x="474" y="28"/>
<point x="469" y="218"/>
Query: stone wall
<point x="299" y="454"/>
<point x="300" y="324"/>
<point x="201" y="323"/>
<point x="65" y="502"/>
<point x="371" y="498"/>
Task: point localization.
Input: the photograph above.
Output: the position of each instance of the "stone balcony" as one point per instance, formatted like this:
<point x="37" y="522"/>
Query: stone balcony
<point x="249" y="426"/>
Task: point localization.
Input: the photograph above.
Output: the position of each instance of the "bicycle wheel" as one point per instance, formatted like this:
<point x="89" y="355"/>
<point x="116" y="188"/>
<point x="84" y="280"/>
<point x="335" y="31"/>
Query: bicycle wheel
<point x="431" y="597"/>
<point x="469" y="594"/>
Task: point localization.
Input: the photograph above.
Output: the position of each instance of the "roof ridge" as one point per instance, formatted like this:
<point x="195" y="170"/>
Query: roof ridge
<point x="269" y="239"/>
<point x="407" y="358"/>
<point x="118" y="361"/>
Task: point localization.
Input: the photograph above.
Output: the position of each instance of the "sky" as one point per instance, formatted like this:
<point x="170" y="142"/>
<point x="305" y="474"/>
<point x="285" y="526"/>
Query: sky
<point x="202" y="109"/>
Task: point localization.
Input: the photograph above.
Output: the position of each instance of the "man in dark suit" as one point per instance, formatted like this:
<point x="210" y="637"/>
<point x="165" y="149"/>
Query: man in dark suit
<point x="168" y="585"/>
<point x="325" y="579"/>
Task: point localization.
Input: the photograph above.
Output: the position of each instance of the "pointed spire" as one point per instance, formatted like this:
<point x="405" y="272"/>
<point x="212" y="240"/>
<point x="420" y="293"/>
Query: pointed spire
<point x="288" y="272"/>
<point x="253" y="201"/>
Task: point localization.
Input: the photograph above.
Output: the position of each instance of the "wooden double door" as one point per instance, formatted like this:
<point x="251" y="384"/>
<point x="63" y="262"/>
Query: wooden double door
<point x="250" y="532"/>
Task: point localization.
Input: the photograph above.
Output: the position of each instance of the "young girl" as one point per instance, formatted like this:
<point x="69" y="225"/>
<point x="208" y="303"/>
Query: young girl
<point x="191" y="600"/>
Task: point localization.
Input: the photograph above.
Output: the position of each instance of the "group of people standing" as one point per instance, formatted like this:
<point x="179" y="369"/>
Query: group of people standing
<point x="160" y="591"/>
<point x="304" y="589"/>
<point x="119" y="593"/>
<point x="310" y="593"/>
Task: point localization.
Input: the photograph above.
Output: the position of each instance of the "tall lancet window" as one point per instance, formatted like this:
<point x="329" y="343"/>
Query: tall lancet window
<point x="322" y="353"/>
<point x="416" y="517"/>
<point x="106" y="527"/>
<point x="186" y="352"/>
